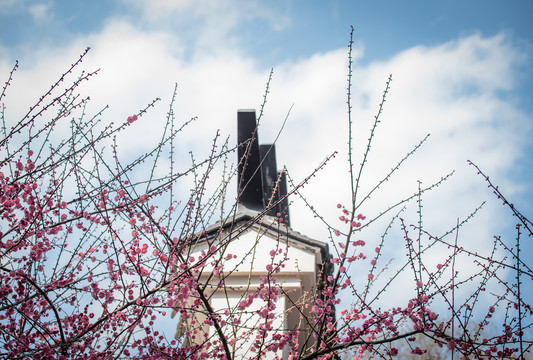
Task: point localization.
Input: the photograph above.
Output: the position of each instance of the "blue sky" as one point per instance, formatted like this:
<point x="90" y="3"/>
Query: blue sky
<point x="384" y="27"/>
<point x="461" y="70"/>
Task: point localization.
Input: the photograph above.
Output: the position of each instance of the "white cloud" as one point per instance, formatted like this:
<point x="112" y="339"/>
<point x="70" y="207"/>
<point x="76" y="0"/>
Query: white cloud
<point x="39" y="12"/>
<point x="210" y="27"/>
<point x="436" y="90"/>
<point x="448" y="90"/>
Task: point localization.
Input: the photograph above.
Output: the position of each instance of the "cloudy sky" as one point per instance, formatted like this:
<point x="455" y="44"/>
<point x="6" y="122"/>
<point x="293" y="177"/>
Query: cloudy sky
<point x="461" y="72"/>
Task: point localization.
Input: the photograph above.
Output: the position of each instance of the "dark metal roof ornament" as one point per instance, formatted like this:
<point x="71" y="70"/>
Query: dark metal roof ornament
<point x="260" y="185"/>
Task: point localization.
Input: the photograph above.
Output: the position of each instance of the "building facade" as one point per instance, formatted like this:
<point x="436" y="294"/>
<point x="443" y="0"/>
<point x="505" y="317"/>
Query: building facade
<point x="262" y="278"/>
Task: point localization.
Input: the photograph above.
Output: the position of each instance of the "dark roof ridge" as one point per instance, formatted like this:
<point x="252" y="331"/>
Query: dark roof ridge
<point x="265" y="221"/>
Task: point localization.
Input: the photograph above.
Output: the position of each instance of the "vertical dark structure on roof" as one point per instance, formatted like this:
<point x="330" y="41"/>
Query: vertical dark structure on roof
<point x="250" y="188"/>
<point x="261" y="186"/>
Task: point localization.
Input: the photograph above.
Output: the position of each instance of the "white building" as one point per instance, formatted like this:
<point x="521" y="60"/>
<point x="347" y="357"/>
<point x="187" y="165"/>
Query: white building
<point x="264" y="274"/>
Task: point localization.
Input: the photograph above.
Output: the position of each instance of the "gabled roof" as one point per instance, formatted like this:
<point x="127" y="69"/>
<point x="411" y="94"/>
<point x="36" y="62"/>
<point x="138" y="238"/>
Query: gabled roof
<point x="246" y="220"/>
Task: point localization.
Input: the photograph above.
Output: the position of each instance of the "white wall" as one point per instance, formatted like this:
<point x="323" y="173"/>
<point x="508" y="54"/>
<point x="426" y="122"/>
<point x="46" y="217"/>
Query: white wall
<point x="245" y="260"/>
